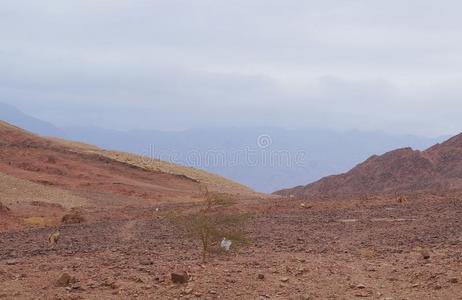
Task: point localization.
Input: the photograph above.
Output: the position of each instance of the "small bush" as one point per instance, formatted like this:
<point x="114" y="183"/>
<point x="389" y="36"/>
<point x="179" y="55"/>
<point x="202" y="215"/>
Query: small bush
<point x="72" y="218"/>
<point x="402" y="199"/>
<point x="211" y="222"/>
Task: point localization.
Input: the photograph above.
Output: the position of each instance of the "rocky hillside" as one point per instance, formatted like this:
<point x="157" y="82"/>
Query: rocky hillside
<point x="438" y="168"/>
<point x="43" y="178"/>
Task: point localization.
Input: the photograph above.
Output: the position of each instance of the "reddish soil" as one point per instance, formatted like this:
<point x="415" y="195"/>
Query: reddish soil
<point x="334" y="250"/>
<point x="7" y="220"/>
<point x="66" y="176"/>
<point x="43" y="161"/>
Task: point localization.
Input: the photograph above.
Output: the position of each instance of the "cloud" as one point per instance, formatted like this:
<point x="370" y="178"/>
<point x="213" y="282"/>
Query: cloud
<point x="178" y="64"/>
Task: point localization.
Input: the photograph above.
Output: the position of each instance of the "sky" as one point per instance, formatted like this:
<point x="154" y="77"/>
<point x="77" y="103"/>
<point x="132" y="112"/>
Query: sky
<point x="392" y="65"/>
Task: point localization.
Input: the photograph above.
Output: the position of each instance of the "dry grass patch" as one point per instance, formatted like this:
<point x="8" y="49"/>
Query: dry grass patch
<point x="213" y="181"/>
<point x="368" y="252"/>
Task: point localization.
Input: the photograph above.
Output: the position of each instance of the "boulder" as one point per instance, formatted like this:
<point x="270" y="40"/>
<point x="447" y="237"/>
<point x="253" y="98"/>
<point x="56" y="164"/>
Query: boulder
<point x="180" y="277"/>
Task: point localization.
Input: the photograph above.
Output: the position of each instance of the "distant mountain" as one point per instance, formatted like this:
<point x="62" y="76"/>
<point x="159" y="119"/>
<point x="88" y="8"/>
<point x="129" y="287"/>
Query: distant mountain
<point x="266" y="159"/>
<point x="437" y="169"/>
<point x="14" y="116"/>
<point x="77" y="166"/>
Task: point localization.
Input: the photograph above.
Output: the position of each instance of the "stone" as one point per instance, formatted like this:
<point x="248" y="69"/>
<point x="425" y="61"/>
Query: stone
<point x="180" y="277"/>
<point x="76" y="286"/>
<point x="425" y="254"/>
<point x="146" y="262"/>
<point x="363" y="295"/>
<point x="261" y="276"/>
<point x="11" y="262"/>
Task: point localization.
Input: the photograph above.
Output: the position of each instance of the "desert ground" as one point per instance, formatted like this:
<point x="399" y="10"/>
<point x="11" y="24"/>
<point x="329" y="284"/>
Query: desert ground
<point x="376" y="248"/>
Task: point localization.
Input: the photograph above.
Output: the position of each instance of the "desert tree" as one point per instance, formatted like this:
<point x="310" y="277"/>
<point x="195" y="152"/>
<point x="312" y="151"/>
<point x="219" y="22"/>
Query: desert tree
<point x="214" y="219"/>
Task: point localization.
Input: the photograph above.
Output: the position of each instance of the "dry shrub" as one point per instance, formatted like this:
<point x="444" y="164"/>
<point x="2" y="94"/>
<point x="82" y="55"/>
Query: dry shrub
<point x="211" y="222"/>
<point x="53" y="239"/>
<point x="39" y="221"/>
<point x="402" y="199"/>
<point x="368" y="252"/>
<point x="73" y="217"/>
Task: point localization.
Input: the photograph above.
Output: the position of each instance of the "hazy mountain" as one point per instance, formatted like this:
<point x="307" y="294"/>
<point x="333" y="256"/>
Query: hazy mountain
<point x="266" y="159"/>
<point x="14" y="116"/>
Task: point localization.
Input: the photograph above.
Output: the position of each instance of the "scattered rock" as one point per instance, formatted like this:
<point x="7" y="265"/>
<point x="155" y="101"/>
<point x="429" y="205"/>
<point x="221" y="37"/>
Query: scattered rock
<point x="4" y="208"/>
<point x="360" y="286"/>
<point x="11" y="262"/>
<point x="300" y="271"/>
<point x="425" y="254"/>
<point x="180" y="277"/>
<point x="65" y="280"/>
<point x="284" y="279"/>
<point x="76" y="286"/>
<point x="261" y="276"/>
<point x="303" y="205"/>
<point x="187" y="291"/>
<point x="146" y="262"/>
<point x="453" y="280"/>
<point x="111" y="284"/>
<point x="363" y="295"/>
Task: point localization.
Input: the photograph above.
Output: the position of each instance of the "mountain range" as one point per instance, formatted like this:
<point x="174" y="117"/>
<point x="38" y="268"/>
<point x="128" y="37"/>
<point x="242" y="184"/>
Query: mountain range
<point x="265" y="159"/>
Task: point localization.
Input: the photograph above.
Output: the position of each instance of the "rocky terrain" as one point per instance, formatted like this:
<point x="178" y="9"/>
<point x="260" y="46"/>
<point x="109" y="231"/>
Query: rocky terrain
<point x="117" y="239"/>
<point x="375" y="249"/>
<point x="402" y="171"/>
<point x="43" y="178"/>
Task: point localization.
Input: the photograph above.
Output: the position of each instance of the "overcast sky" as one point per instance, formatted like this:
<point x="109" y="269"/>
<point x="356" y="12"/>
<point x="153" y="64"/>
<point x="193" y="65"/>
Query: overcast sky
<point x="393" y="65"/>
